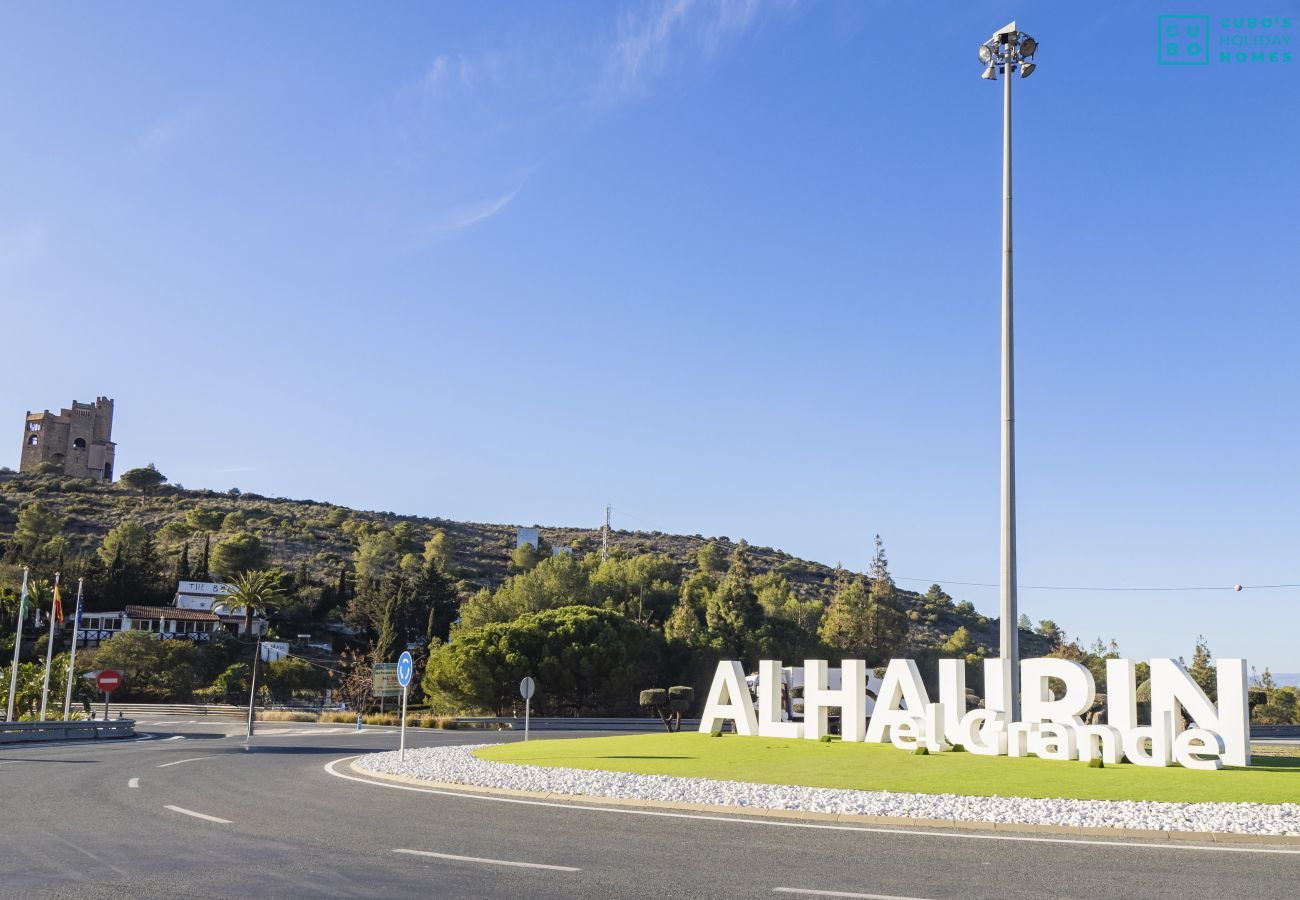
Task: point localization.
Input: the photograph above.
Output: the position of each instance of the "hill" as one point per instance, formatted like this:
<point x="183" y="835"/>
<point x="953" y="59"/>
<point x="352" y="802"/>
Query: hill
<point x="320" y="543"/>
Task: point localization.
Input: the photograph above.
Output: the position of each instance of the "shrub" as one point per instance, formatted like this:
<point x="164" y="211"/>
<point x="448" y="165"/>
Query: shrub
<point x="654" y="699"/>
<point x="338" y="716"/>
<point x="1096" y="763"/>
<point x="380" y="719"/>
<point x="284" y="715"/>
<point x="825" y="739"/>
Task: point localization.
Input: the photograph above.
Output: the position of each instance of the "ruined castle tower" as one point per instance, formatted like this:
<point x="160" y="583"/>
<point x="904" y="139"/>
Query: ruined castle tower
<point x="80" y="440"/>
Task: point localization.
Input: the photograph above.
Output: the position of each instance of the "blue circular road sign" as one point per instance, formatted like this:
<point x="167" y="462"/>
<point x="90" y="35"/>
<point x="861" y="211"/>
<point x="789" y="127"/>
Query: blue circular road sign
<point x="405" y="668"/>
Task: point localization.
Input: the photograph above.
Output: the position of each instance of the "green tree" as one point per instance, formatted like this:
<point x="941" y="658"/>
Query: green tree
<point x="389" y="642"/>
<point x="241" y="552"/>
<point x="202" y="571"/>
<point x="438" y="550"/>
<point x="253" y="593"/>
<point x="37" y="528"/>
<point x="129" y="537"/>
<point x="1202" y="668"/>
<point x="733" y="615"/>
<point x="709" y="558"/>
<point x="376" y="555"/>
<point x="143" y="479"/>
<point x="844" y="627"/>
<point x="433" y="591"/>
<point x="182" y="571"/>
<point x="201" y="519"/>
<point x="584" y="659"/>
<point x="1050" y="630"/>
<point x="526" y="557"/>
<point x="153" y="670"/>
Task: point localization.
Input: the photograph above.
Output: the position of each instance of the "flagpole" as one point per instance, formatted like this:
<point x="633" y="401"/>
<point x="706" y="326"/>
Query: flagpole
<point x="18" y="642"/>
<point x="49" y="647"/>
<point x="72" y="660"/>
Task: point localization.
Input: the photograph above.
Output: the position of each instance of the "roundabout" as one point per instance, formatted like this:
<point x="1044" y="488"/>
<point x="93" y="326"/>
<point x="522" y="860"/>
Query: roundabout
<point x="756" y="775"/>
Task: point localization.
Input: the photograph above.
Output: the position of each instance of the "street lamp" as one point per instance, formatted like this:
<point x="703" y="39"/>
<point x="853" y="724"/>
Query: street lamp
<point x="1008" y="51"/>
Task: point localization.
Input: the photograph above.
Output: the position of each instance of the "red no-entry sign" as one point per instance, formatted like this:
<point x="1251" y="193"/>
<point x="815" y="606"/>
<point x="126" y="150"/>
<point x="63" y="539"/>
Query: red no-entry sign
<point x="108" y="680"/>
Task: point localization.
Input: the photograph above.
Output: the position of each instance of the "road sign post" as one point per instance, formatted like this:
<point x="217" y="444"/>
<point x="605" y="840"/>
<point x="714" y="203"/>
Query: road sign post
<point x="526" y="689"/>
<point x="108" y="681"/>
<point x="405" y="668"/>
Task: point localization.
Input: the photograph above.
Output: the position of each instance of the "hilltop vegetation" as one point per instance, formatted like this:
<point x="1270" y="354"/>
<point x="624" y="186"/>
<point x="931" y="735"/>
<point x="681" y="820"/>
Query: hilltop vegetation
<point x="462" y="595"/>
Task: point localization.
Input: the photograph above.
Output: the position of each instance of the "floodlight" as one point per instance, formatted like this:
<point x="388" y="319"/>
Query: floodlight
<point x="986" y="54"/>
<point x="1027" y="46"/>
<point x="1026" y="69"/>
<point x="991" y="73"/>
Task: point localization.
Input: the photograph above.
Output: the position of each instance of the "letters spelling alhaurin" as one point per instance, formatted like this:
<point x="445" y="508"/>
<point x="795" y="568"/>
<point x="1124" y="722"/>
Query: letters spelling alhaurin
<point x="1050" y="726"/>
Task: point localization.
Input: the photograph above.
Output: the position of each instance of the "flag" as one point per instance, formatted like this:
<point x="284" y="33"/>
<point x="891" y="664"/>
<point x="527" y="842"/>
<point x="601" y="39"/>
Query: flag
<point x="76" y="614"/>
<point x="57" y="611"/>
<point x="22" y="604"/>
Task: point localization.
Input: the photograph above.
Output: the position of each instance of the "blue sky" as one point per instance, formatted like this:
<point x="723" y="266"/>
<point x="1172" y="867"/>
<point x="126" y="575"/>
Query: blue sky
<point x="730" y="267"/>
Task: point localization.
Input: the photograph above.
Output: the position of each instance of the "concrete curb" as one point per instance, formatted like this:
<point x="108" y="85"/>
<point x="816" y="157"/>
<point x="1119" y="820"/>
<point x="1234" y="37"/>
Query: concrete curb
<point x="897" y="822"/>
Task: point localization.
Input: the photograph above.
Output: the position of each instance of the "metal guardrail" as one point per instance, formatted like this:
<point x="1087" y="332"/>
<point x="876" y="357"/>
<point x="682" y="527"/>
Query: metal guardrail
<point x="149" y="711"/>
<point x="179" y="710"/>
<point x="16" y="732"/>
<point x="1274" y="731"/>
<point x="539" y="723"/>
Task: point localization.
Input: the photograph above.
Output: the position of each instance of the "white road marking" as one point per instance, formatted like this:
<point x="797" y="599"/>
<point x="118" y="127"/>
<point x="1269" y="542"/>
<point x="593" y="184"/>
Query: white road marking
<point x="489" y="862"/>
<point x="133" y="783"/>
<point x="197" y="815"/>
<point x="808" y="892"/>
<point x="174" y="737"/>
<point x="869" y="829"/>
<point x="177" y="762"/>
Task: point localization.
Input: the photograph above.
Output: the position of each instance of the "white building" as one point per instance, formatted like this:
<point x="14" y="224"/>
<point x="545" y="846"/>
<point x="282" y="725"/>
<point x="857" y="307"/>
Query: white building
<point x="196" y="613"/>
<point x="209" y="596"/>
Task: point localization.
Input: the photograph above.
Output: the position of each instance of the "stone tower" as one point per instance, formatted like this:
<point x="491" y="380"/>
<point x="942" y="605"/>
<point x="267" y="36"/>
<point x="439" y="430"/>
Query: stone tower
<point x="79" y="440"/>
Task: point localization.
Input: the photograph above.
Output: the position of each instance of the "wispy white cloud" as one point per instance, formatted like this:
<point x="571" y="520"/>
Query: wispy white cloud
<point x="650" y="40"/>
<point x="460" y="71"/>
<point x="458" y="218"/>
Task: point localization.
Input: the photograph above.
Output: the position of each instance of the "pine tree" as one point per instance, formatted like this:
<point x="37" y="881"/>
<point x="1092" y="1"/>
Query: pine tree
<point x="182" y="572"/>
<point x="386" y="647"/>
<point x="202" y="573"/>
<point x="887" y="624"/>
<point x="845" y="624"/>
<point x="733" y="614"/>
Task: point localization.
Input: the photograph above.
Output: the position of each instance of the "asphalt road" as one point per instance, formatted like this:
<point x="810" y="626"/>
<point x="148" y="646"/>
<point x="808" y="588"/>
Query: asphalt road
<point x="191" y="812"/>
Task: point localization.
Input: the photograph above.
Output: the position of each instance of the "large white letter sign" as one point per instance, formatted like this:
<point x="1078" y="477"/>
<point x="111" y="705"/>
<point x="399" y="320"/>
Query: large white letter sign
<point x="952" y="693"/>
<point x="1121" y="695"/>
<point x="850" y="697"/>
<point x="1172" y="690"/>
<point x="769" y="703"/>
<point x="901" y="684"/>
<point x="729" y="699"/>
<point x="1036" y="701"/>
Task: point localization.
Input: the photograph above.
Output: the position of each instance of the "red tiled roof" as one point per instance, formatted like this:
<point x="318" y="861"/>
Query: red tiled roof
<point x="169" y="612"/>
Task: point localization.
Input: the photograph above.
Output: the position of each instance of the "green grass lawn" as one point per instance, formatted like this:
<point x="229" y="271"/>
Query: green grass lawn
<point x="881" y="767"/>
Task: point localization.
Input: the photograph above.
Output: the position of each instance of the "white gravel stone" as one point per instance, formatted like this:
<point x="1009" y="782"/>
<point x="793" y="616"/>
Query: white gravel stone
<point x="458" y="765"/>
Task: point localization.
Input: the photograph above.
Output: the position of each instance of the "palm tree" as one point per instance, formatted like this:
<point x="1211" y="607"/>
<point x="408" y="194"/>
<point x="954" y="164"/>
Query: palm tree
<point x="257" y="592"/>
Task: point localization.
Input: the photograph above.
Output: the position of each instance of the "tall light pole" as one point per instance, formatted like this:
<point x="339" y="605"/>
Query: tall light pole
<point x="1009" y="51"/>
